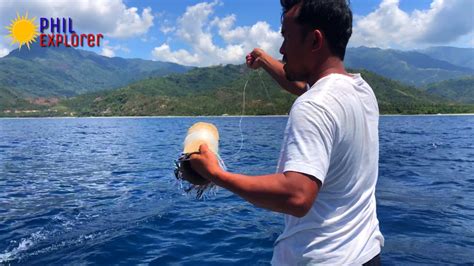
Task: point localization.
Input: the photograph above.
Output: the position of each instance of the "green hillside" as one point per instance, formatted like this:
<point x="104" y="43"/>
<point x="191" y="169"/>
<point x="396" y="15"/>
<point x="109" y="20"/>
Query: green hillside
<point x="459" y="90"/>
<point x="60" y="71"/>
<point x="9" y="99"/>
<point x="218" y="90"/>
<point x="202" y="91"/>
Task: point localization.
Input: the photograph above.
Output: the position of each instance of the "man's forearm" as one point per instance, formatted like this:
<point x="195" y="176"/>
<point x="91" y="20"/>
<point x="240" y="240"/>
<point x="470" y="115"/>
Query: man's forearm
<point x="275" y="192"/>
<point x="275" y="69"/>
<point x="290" y="192"/>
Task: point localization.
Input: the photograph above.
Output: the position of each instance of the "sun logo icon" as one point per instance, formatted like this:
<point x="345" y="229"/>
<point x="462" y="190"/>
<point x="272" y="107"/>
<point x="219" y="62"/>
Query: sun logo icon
<point x="23" y="30"/>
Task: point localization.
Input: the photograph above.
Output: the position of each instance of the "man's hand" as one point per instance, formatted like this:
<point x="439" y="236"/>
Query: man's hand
<point x="255" y="59"/>
<point x="205" y="163"/>
<point x="260" y="59"/>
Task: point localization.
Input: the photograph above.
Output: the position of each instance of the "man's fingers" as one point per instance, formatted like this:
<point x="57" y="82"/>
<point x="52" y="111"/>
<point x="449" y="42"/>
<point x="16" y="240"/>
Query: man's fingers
<point x="250" y="59"/>
<point x="256" y="53"/>
<point x="252" y="62"/>
<point x="203" y="148"/>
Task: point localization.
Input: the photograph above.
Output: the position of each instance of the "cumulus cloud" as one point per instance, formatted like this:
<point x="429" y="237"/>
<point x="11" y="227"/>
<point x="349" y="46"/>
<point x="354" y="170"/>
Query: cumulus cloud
<point x="3" y="51"/>
<point x="182" y="56"/>
<point x="113" y="18"/>
<point x="195" y="28"/>
<point x="390" y="27"/>
<point x="109" y="51"/>
<point x="167" y="29"/>
<point x="132" y="24"/>
<point x="106" y="51"/>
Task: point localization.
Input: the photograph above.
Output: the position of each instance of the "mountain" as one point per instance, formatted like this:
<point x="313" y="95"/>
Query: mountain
<point x="219" y="90"/>
<point x="457" y="56"/>
<point x="459" y="90"/>
<point x="66" y="72"/>
<point x="39" y="78"/>
<point x="62" y="71"/>
<point x="409" y="67"/>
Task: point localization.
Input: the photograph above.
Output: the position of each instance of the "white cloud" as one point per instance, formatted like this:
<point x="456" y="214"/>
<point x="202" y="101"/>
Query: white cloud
<point x="109" y="51"/>
<point x="195" y="28"/>
<point x="390" y="27"/>
<point x="3" y="51"/>
<point x="167" y="29"/>
<point x="113" y="18"/>
<point x="106" y="51"/>
<point x="132" y="24"/>
<point x="181" y="56"/>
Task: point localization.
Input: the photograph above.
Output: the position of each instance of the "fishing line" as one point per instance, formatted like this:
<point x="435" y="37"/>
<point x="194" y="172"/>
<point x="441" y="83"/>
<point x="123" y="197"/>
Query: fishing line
<point x="266" y="90"/>
<point x="242" y="113"/>
<point x="198" y="133"/>
<point x="203" y="132"/>
<point x="208" y="133"/>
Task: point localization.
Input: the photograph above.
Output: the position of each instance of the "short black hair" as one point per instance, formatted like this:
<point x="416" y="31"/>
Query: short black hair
<point x="332" y="17"/>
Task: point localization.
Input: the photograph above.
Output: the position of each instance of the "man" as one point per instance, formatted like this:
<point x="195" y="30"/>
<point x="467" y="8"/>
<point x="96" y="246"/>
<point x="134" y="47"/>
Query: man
<point x="328" y="167"/>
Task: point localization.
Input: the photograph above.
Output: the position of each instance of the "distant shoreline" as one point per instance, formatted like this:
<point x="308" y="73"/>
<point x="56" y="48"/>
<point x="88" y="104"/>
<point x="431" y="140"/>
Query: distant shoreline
<point x="210" y="116"/>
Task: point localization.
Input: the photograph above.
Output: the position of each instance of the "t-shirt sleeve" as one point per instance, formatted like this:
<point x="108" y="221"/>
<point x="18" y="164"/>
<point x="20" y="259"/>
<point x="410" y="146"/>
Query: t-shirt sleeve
<point x="309" y="140"/>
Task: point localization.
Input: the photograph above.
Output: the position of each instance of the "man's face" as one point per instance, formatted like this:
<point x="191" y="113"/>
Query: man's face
<point x="295" y="49"/>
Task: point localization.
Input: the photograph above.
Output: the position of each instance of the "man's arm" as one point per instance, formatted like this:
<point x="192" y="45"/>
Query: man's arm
<point x="258" y="58"/>
<point x="290" y="192"/>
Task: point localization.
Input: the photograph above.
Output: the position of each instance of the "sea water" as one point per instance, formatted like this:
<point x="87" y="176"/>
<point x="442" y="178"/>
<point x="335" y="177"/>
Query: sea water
<point x="102" y="191"/>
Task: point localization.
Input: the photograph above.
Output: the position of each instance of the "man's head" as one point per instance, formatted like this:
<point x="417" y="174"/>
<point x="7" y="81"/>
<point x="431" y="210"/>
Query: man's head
<point x="312" y="31"/>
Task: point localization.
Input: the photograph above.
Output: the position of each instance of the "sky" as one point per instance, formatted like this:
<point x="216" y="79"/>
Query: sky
<point x="204" y="33"/>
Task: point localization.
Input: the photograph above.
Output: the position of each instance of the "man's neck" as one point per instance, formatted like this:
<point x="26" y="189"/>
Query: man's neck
<point x="332" y="65"/>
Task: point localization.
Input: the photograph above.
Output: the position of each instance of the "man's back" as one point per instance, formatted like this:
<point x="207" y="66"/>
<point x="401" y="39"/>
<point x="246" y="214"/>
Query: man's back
<point x="332" y="135"/>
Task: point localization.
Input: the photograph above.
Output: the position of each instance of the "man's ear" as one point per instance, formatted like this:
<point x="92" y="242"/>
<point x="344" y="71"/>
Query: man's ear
<point x="318" y="39"/>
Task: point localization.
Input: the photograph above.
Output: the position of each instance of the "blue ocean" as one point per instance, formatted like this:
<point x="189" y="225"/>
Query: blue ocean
<point x="103" y="191"/>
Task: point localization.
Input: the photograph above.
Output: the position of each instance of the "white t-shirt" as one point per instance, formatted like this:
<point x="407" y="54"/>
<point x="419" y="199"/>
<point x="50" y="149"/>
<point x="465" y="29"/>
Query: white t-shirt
<point x="332" y="135"/>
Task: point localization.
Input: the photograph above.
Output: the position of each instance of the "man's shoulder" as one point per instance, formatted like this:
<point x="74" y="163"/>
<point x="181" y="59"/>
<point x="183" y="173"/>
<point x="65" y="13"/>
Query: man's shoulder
<point x="340" y="95"/>
<point x="328" y="92"/>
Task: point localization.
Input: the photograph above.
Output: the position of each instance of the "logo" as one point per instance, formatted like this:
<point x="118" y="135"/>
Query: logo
<point x="61" y="33"/>
<point x="23" y="30"/>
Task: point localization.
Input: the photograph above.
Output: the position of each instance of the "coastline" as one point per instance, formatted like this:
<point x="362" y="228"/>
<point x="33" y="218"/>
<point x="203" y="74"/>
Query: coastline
<point x="210" y="116"/>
